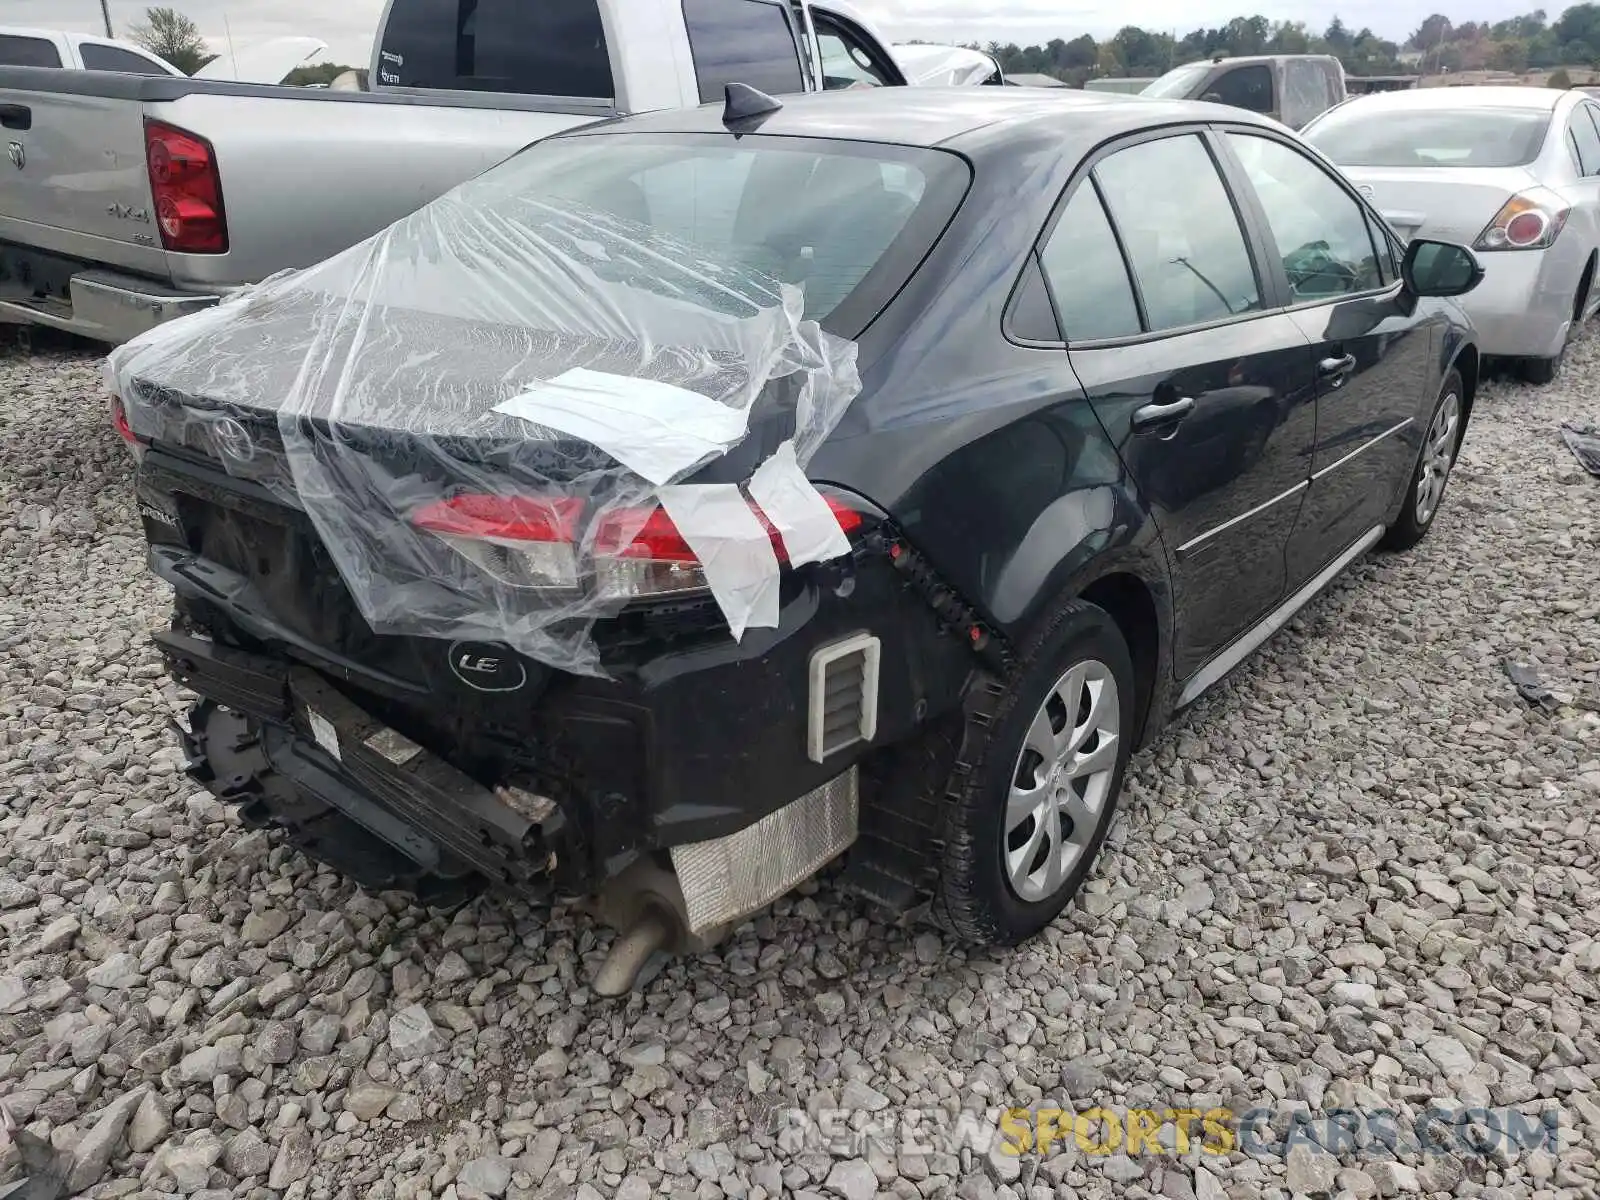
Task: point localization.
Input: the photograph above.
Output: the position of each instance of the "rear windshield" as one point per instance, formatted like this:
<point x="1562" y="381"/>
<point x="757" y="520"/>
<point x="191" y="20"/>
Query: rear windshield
<point x="27" y="52"/>
<point x="548" y="48"/>
<point x="1176" y="85"/>
<point x="722" y="223"/>
<point x="1354" y="136"/>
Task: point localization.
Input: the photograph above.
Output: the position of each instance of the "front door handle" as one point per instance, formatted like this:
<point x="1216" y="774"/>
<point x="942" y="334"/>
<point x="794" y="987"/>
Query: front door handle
<point x="1169" y="414"/>
<point x="1335" y="369"/>
<point x="16" y="116"/>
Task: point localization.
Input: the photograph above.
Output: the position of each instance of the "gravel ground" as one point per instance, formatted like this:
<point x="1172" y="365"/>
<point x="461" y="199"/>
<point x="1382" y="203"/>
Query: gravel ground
<point x="1364" y="872"/>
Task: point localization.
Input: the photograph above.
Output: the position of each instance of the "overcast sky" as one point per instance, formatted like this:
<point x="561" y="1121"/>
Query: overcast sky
<point x="348" y="25"/>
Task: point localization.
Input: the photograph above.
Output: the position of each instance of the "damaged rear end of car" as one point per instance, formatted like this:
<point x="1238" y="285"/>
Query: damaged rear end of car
<point x="495" y="555"/>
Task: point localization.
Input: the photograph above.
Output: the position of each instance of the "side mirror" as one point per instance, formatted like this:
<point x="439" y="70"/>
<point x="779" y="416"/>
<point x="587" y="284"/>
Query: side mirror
<point x="1212" y="97"/>
<point x="1439" y="269"/>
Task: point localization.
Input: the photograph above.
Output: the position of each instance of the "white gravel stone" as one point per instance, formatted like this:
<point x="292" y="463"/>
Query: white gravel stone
<point x="1361" y="871"/>
<point x="119" y="971"/>
<point x="853" y="1179"/>
<point x="412" y="1033"/>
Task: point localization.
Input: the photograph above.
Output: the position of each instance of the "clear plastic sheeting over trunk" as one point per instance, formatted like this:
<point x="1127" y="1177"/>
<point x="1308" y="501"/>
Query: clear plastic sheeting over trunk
<point x="490" y="407"/>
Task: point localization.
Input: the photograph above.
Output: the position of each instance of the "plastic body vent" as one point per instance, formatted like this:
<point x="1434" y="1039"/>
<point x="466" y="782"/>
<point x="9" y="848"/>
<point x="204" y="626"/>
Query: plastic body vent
<point x="844" y="696"/>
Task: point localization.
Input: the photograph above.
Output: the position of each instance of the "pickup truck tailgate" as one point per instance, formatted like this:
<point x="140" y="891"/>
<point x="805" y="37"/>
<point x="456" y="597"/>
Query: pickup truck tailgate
<point x="77" y="169"/>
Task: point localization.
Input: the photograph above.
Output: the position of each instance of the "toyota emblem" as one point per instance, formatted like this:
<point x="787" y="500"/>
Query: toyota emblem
<point x="233" y="440"/>
<point x="1366" y="190"/>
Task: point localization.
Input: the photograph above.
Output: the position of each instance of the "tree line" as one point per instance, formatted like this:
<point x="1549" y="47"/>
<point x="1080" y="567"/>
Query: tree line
<point x="1528" y="42"/>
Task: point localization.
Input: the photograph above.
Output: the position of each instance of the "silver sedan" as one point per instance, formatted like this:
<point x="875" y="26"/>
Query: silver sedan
<point x="1513" y="172"/>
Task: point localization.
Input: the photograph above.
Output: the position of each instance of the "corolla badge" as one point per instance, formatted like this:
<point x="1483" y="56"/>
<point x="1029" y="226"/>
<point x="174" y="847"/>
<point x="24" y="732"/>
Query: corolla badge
<point x="232" y="440"/>
<point x="19" y="156"/>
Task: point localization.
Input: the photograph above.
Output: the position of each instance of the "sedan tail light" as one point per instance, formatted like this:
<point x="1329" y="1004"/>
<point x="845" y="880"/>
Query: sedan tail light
<point x="119" y="422"/>
<point x="1530" y="220"/>
<point x="535" y="543"/>
<point x="187" y="188"/>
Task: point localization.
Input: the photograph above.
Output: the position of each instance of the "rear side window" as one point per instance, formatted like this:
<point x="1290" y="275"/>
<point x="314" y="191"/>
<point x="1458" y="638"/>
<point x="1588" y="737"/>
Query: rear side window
<point x="742" y="41"/>
<point x="1086" y="273"/>
<point x="109" y="58"/>
<point x="1584" y="141"/>
<point x="1243" y="87"/>
<point x="27" y="52"/>
<point x="1185" y="244"/>
<point x="549" y="48"/>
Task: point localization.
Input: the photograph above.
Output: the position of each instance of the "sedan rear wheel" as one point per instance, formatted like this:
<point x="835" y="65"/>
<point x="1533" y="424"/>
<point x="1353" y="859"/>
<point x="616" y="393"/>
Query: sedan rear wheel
<point x="1547" y="370"/>
<point x="1063" y="780"/>
<point x="1027" y="818"/>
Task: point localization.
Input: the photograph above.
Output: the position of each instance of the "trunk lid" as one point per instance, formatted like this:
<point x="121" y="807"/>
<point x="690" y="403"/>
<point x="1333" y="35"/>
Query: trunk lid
<point x="1448" y="204"/>
<point x="267" y="62"/>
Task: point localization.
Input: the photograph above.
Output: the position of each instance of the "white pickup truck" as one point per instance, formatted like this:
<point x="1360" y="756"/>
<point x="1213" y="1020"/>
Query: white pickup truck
<point x="64" y="49"/>
<point x="127" y="200"/>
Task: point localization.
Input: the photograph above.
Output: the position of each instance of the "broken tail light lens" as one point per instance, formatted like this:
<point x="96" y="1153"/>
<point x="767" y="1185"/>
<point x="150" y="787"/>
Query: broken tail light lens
<point x="1530" y="220"/>
<point x="638" y="553"/>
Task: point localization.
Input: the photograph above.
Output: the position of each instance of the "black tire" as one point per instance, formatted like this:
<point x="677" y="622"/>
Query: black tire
<point x="1416" y="518"/>
<point x="975" y="898"/>
<point x="1540" y="371"/>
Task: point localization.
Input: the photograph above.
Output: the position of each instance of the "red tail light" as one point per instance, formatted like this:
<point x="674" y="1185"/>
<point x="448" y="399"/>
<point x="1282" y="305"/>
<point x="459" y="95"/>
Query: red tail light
<point x="119" y="422"/>
<point x="188" y="190"/>
<point x="533" y="543"/>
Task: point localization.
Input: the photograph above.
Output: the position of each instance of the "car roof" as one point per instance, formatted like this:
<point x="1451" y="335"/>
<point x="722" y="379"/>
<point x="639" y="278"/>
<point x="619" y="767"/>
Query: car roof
<point x="1484" y="96"/>
<point x="939" y="116"/>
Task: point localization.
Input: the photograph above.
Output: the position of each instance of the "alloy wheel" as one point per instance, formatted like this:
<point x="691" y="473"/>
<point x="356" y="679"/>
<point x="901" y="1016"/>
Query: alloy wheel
<point x="1438" y="456"/>
<point x="1061" y="786"/>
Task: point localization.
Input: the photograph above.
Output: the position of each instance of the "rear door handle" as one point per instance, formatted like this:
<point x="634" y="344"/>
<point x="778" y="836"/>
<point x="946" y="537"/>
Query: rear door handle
<point x="16" y="116"/>
<point x="1337" y="368"/>
<point x="1153" y="415"/>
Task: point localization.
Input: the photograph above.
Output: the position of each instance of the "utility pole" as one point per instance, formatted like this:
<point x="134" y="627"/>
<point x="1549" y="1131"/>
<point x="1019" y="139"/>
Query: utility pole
<point x="105" y="11"/>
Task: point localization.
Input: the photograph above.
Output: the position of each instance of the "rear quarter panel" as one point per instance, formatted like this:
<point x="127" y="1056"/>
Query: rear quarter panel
<point x="986" y="452"/>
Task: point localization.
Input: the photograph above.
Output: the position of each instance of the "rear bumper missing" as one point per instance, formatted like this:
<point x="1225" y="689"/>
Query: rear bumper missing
<point x="297" y="756"/>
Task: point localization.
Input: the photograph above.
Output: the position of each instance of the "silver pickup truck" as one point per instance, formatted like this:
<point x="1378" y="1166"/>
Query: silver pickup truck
<point x="126" y="201"/>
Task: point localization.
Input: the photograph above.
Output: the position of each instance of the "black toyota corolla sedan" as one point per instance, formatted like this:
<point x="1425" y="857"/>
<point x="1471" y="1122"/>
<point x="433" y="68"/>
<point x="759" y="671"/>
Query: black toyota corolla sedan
<point x="697" y="497"/>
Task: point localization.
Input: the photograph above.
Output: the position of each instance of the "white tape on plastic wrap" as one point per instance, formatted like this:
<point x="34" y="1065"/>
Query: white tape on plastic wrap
<point x="657" y="430"/>
<point x="811" y="532"/>
<point x="733" y="548"/>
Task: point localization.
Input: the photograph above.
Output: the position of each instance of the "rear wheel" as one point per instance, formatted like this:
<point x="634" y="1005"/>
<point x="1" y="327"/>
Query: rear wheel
<point x="1030" y="816"/>
<point x="1425" y="493"/>
<point x="1541" y="371"/>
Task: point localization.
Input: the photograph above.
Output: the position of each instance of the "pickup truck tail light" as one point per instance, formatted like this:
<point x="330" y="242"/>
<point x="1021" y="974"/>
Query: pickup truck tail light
<point x="638" y="553"/>
<point x="1530" y="220"/>
<point x="187" y="188"/>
